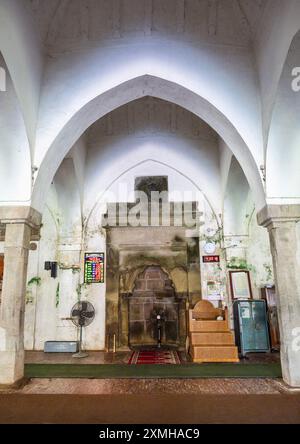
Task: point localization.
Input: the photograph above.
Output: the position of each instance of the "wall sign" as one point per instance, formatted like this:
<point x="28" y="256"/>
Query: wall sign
<point x="214" y="291"/>
<point x="210" y="259"/>
<point x="94" y="268"/>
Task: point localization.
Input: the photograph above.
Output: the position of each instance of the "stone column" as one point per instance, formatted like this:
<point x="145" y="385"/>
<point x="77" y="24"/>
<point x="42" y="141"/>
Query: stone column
<point x="19" y="222"/>
<point x="281" y="220"/>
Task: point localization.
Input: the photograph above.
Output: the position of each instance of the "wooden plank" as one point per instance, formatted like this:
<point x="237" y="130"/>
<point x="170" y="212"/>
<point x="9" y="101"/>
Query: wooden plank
<point x="223" y="338"/>
<point x="215" y="354"/>
<point x="208" y="326"/>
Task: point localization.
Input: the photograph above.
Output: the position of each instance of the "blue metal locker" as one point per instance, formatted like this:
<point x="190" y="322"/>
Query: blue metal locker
<point x="251" y="326"/>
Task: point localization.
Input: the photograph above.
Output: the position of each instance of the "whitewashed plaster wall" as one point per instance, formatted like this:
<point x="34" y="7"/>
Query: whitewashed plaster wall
<point x="246" y="242"/>
<point x="95" y="241"/>
<point x="69" y="203"/>
<point x="225" y="155"/>
<point x="259" y="258"/>
<point x="283" y="155"/>
<point x="205" y="47"/>
<point x="152" y="137"/>
<point x="251" y="251"/>
<point x="41" y="317"/>
<point x="85" y="64"/>
<point x="78" y="154"/>
<point x="61" y="241"/>
<point x="15" y="163"/>
<point x="281" y="21"/>
<point x="21" y="46"/>
<point x="74" y="79"/>
<point x="237" y="201"/>
<point x="148" y="137"/>
<point x="145" y="138"/>
<point x="190" y="44"/>
<point x="51" y="301"/>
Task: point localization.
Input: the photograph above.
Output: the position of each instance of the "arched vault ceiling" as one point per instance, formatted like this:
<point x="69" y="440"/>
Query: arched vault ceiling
<point x="205" y="46"/>
<point x="224" y="77"/>
<point x="225" y="21"/>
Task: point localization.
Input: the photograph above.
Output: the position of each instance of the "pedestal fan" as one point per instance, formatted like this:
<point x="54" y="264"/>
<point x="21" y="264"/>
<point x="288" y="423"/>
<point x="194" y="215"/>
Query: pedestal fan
<point x="82" y="315"/>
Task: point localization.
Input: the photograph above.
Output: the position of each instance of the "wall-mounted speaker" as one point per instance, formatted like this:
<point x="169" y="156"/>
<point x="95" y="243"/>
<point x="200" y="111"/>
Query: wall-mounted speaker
<point x="51" y="266"/>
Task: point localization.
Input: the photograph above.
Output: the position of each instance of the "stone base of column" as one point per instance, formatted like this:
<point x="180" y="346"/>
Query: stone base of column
<point x="11" y="368"/>
<point x="290" y="362"/>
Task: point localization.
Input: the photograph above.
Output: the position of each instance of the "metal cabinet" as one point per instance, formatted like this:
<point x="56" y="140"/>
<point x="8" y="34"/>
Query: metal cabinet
<point x="251" y="326"/>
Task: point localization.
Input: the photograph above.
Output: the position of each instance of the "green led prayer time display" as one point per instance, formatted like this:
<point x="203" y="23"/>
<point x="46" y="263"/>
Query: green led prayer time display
<point x="94" y="268"/>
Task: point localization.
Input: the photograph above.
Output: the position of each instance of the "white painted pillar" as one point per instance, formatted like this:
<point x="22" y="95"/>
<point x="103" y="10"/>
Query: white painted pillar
<point x="281" y="220"/>
<point x="19" y="223"/>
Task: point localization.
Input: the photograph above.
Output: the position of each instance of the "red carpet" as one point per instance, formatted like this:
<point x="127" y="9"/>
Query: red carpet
<point x="154" y="357"/>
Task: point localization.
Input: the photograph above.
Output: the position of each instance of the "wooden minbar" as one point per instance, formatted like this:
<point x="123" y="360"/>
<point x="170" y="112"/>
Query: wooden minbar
<point x="210" y="339"/>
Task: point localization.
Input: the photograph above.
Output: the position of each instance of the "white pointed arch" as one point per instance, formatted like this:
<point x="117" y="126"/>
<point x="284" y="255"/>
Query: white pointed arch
<point x="131" y="90"/>
<point x="191" y="180"/>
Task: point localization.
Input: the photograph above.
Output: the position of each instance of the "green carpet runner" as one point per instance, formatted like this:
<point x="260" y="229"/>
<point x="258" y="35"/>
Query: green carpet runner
<point x="107" y="371"/>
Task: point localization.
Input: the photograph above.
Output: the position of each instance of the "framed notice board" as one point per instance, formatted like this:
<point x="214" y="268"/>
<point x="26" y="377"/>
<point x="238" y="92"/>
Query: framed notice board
<point x="94" y="268"/>
<point x="240" y="284"/>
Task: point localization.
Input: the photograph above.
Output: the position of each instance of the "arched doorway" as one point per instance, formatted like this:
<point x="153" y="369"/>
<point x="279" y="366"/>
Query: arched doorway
<point x="153" y="294"/>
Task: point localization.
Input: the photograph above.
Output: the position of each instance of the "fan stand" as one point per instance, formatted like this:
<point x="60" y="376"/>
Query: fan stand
<point x="81" y="354"/>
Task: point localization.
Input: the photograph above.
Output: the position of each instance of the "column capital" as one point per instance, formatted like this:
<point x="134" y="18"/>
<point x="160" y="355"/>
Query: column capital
<point x="273" y="215"/>
<point x="20" y="215"/>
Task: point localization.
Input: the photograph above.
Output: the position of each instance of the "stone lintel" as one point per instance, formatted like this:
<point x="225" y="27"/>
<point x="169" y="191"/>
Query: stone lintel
<point x="271" y="215"/>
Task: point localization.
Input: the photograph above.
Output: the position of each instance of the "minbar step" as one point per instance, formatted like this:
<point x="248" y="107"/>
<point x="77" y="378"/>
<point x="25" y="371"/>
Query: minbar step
<point x="214" y="354"/>
<point x="223" y="338"/>
<point x="208" y="326"/>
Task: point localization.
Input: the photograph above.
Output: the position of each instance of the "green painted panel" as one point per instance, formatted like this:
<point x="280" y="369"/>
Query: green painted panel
<point x="251" y="326"/>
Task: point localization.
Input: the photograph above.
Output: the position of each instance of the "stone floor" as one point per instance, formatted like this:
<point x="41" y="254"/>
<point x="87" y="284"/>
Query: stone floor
<point x="148" y="401"/>
<point x="203" y="401"/>
<point x="153" y="386"/>
<point x="144" y="386"/>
